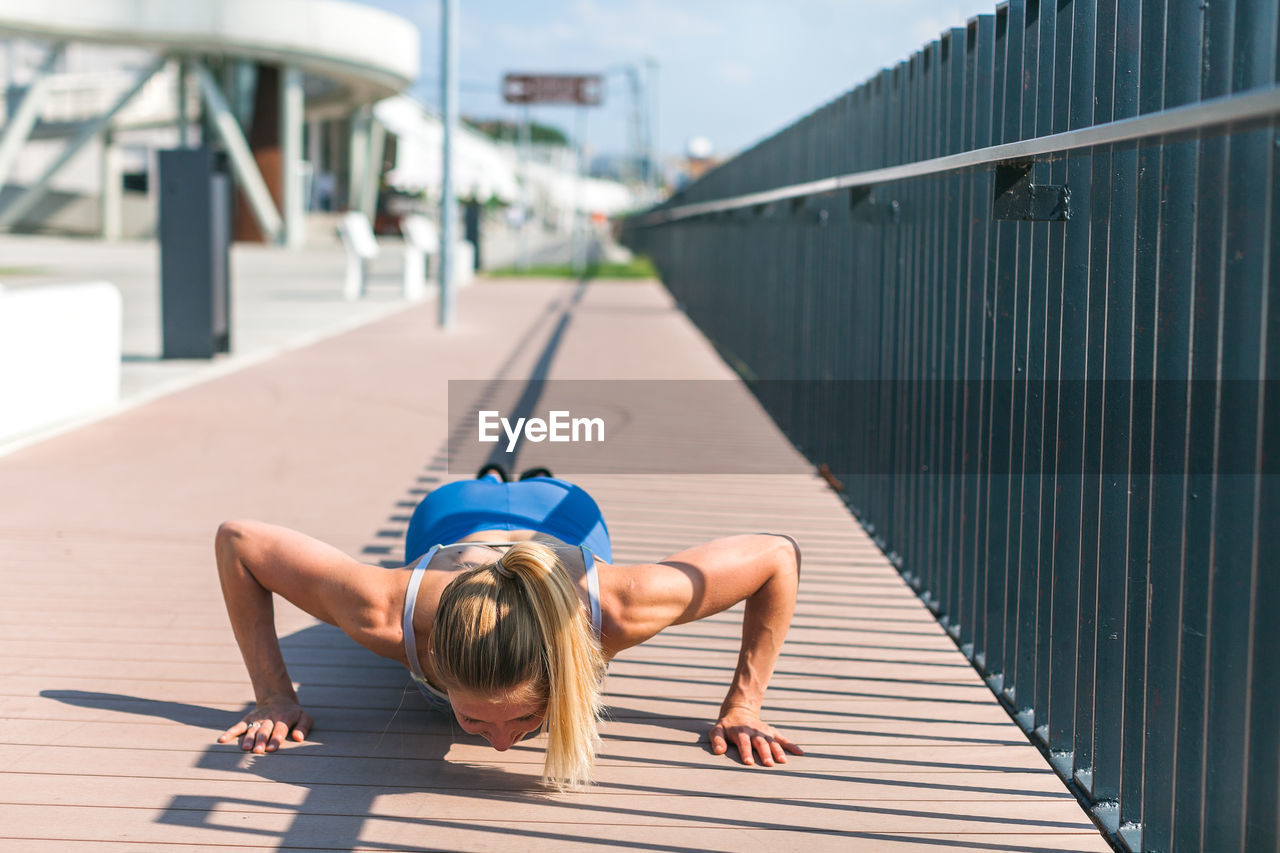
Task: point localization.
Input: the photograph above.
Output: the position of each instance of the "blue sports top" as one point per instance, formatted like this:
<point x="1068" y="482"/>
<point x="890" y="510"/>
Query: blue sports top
<point x="437" y="699"/>
<point x="555" y="507"/>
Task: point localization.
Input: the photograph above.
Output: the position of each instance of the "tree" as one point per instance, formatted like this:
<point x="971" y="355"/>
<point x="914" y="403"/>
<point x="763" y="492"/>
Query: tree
<point x="503" y="130"/>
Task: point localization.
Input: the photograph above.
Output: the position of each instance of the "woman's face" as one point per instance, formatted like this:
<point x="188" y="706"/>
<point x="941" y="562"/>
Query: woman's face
<point x="500" y="721"/>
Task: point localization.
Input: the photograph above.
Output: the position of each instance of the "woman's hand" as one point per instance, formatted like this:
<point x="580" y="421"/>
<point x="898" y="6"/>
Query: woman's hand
<point x="266" y="727"/>
<point x="743" y="728"/>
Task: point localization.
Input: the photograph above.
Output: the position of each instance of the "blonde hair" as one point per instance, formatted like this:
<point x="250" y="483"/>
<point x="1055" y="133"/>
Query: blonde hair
<point x="516" y="629"/>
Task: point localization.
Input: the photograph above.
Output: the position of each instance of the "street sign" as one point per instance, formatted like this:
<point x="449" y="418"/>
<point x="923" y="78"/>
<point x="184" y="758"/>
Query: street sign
<point x="583" y="89"/>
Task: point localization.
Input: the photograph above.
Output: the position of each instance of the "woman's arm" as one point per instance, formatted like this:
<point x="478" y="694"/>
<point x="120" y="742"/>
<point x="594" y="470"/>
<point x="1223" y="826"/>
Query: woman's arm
<point x="256" y="560"/>
<point x="764" y="570"/>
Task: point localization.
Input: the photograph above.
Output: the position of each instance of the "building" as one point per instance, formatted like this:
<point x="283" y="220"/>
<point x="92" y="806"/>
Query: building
<point x="93" y="88"/>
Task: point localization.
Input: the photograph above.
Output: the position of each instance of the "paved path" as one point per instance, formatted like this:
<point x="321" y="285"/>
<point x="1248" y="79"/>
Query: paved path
<point x="279" y="299"/>
<point x="119" y="668"/>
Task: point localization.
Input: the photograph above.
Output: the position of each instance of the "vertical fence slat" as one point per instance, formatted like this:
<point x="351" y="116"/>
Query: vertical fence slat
<point x="1199" y="563"/>
<point x="1133" y="301"/>
<point x="1119" y="493"/>
<point x="1169" y="498"/>
<point x="952" y="284"/>
<point x="966" y="348"/>
<point x="931" y="250"/>
<point x="1138" y="769"/>
<point x="1093" y="556"/>
<point x="936" y="432"/>
<point x="1006" y="494"/>
<point x="1057" y="674"/>
<point x="1041" y="365"/>
<point x="1073" y="620"/>
<point x="993" y="505"/>
<point x="1242" y="300"/>
<point x="979" y="234"/>
<point x="1027" y="373"/>
<point x="1262" y="816"/>
<point x="915" y="329"/>
<point x="908" y="333"/>
<point x="925" y="554"/>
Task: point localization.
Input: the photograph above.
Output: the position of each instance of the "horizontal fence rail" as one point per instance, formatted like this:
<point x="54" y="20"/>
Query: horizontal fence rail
<point x="1043" y="250"/>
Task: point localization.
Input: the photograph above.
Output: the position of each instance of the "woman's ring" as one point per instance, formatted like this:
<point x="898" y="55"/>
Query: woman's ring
<point x="254" y="725"/>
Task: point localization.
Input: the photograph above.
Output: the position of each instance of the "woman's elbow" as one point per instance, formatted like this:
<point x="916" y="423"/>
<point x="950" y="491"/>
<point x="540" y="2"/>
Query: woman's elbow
<point x="789" y="554"/>
<point x="228" y="533"/>
<point x="231" y="540"/>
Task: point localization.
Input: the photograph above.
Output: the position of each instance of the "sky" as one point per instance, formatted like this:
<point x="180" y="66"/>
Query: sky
<point x="731" y="71"/>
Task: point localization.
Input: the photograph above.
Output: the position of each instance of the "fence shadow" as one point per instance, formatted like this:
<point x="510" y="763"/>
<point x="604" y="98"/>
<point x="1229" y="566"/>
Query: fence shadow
<point x="364" y="747"/>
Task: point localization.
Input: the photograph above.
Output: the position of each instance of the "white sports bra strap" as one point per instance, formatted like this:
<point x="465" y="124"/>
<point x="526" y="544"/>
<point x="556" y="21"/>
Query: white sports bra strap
<point x="410" y="601"/>
<point x="593" y="587"/>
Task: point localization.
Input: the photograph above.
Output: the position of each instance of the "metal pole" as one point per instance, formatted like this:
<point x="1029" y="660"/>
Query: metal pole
<point x="293" y="105"/>
<point x="109" y="201"/>
<point x="636" y="171"/>
<point x="184" y="120"/>
<point x="525" y="153"/>
<point x="655" y="169"/>
<point x="578" y="237"/>
<point x="373" y="169"/>
<point x="449" y="111"/>
<point x="358" y="155"/>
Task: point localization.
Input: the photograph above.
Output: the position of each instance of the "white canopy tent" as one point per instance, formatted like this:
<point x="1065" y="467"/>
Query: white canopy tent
<point x="485" y="170"/>
<point x="560" y="190"/>
<point x="481" y="170"/>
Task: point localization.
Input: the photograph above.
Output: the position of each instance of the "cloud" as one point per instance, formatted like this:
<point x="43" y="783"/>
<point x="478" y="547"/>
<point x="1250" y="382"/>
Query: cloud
<point x="540" y="37"/>
<point x="642" y="27"/>
<point x="734" y="72"/>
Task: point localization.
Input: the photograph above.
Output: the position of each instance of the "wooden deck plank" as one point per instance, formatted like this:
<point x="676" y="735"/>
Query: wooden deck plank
<point x="620" y="742"/>
<point x="627" y="838"/>
<point x="643" y="776"/>
<point x="862" y="732"/>
<point x="698" y="683"/>
<point x="622" y="809"/>
<point x="120" y="669"/>
<point x="427" y="834"/>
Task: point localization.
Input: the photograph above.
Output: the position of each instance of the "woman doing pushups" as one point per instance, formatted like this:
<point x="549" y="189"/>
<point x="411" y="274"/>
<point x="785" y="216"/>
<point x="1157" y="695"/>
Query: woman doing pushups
<point x="509" y="626"/>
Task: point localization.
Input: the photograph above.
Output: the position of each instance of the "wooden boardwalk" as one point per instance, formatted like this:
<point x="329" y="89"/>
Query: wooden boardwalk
<point x="119" y="668"/>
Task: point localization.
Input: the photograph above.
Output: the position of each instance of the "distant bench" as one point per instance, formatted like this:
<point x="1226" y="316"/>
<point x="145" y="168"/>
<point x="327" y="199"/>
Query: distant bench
<point x="59" y="353"/>
<point x="420" y="240"/>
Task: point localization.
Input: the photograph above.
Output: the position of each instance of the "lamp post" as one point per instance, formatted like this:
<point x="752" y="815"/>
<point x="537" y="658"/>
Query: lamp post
<point x="651" y="126"/>
<point x="449" y="110"/>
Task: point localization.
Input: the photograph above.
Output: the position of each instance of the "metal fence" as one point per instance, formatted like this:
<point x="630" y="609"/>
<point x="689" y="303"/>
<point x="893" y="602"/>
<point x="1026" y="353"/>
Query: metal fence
<point x="1020" y="296"/>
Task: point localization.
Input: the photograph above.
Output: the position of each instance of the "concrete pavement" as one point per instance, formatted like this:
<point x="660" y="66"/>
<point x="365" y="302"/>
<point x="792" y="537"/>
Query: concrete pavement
<point x="280" y="300"/>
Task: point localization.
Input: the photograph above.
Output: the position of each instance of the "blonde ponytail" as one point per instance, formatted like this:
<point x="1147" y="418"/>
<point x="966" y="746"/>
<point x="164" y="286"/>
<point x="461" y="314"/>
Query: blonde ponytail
<point x="517" y="627"/>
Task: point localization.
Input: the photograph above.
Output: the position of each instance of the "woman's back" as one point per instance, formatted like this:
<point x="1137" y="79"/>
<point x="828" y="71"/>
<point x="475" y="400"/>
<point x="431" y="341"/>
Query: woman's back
<point x="460" y="510"/>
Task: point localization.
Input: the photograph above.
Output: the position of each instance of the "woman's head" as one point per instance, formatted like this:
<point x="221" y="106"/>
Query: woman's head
<point x="512" y="645"/>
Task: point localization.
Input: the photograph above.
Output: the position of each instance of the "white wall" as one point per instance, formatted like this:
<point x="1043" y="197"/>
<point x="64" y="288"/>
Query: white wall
<point x="59" y="353"/>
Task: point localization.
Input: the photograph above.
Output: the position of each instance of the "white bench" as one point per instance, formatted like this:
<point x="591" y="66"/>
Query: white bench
<point x="59" y="353"/>
<point x="420" y="240"/>
<point x="357" y="238"/>
<point x="464" y="262"/>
